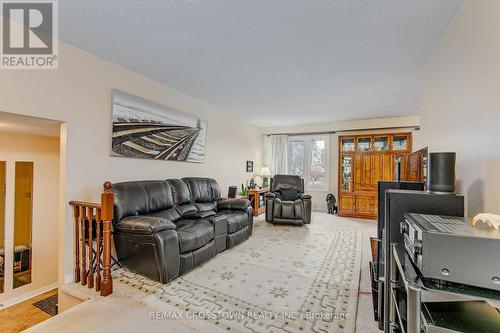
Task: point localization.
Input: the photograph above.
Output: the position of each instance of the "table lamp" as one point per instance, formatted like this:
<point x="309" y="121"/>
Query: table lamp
<point x="265" y="174"/>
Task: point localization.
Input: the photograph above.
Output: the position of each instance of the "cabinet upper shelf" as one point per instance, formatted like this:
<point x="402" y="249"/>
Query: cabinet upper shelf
<point x="375" y="143"/>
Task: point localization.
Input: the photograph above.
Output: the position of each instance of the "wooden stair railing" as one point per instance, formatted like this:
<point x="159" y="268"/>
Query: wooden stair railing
<point x="86" y="216"/>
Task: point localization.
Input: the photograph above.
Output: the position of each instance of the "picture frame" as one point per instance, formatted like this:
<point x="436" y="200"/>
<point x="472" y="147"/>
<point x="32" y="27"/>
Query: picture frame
<point x="249" y="166"/>
<point x="147" y="130"/>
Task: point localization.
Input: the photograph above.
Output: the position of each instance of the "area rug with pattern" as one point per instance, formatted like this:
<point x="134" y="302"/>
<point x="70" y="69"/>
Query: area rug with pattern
<point x="282" y="279"/>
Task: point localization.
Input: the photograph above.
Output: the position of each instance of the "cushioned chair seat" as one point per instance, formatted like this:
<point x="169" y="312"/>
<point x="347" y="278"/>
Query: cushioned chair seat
<point x="236" y="219"/>
<point x="194" y="234"/>
<point x="291" y="210"/>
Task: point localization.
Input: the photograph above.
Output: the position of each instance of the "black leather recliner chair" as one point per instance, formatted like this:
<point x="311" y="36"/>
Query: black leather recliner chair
<point x="286" y="202"/>
<point x="165" y="228"/>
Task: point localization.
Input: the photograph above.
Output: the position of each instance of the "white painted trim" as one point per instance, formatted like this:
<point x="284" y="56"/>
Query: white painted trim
<point x="69" y="278"/>
<point x="28" y="295"/>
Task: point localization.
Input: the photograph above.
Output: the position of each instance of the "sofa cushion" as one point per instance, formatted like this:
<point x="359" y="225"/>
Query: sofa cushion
<point x="193" y="234"/>
<point x="205" y="193"/>
<point x="182" y="197"/>
<point x="203" y="189"/>
<point x="180" y="190"/>
<point x="168" y="214"/>
<point x="236" y="219"/>
<point x="205" y="206"/>
<point x="235" y="204"/>
<point x="141" y="198"/>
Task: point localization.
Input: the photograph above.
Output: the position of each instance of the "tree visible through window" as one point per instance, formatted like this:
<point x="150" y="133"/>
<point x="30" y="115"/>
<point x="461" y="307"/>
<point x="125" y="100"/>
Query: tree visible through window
<point x="296" y="158"/>
<point x="308" y="158"/>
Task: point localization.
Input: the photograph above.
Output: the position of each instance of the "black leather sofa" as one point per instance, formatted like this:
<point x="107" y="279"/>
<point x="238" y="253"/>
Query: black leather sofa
<point x="286" y="202"/>
<point x="165" y="228"/>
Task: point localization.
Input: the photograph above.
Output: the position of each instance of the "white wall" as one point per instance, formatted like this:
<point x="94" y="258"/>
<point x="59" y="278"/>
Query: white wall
<point x="44" y="153"/>
<point x="79" y="94"/>
<point x="370" y="126"/>
<point x="460" y="102"/>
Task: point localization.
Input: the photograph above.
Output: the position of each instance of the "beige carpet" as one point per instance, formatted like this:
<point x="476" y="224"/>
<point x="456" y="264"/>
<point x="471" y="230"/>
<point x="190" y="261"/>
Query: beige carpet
<point x="306" y="277"/>
<point x="283" y="279"/>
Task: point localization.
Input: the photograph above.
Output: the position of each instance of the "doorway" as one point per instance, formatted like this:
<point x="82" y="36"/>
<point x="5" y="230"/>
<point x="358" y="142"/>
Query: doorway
<point x="30" y="154"/>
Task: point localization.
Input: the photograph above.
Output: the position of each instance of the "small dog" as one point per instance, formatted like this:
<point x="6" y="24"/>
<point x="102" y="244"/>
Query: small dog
<point x="331" y="204"/>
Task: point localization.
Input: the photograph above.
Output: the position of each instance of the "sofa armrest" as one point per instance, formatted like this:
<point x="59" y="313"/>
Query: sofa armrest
<point x="270" y="195"/>
<point x="304" y="196"/>
<point x="145" y="225"/>
<point x="200" y="215"/>
<point x="238" y="204"/>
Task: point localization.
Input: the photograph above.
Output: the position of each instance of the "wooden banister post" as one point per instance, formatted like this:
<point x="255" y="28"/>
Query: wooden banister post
<point x="107" y="217"/>
<point x="98" y="250"/>
<point x="90" y="274"/>
<point x="83" y="274"/>
<point x="76" y="215"/>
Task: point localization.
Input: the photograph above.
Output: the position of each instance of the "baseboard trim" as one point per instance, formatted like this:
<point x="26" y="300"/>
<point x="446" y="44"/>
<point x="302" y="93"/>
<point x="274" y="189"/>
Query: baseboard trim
<point x="31" y="294"/>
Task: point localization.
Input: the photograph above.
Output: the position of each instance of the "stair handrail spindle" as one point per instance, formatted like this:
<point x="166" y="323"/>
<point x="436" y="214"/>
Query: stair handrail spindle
<point x="84" y="213"/>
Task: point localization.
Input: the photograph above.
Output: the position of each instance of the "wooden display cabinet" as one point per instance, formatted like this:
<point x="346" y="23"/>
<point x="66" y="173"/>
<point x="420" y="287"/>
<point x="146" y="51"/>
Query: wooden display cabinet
<point x="363" y="161"/>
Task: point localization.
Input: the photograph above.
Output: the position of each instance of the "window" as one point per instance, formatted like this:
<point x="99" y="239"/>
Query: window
<point x="308" y="158"/>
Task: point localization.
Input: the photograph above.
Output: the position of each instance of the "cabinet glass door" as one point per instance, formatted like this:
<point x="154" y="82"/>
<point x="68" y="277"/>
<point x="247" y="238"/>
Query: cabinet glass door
<point x="381" y="143"/>
<point x="400" y="142"/>
<point x="364" y="144"/>
<point x="347" y="144"/>
<point x="346" y="181"/>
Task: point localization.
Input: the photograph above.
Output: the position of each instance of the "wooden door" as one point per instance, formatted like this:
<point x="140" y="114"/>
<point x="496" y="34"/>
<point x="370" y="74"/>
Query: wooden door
<point x="362" y="172"/>
<point x="383" y="168"/>
<point x="414" y="166"/>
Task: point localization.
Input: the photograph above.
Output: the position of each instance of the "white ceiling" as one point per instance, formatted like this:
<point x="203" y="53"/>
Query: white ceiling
<point x="19" y="124"/>
<point x="277" y="62"/>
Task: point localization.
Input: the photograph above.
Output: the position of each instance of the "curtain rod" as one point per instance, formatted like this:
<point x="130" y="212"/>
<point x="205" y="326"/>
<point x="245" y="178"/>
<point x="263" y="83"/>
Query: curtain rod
<point x="416" y="128"/>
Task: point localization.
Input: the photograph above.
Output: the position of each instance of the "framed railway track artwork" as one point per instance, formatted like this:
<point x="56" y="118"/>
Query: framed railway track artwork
<point x="144" y="129"/>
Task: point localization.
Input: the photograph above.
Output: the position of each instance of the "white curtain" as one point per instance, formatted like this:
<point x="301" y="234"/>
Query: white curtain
<point x="276" y="151"/>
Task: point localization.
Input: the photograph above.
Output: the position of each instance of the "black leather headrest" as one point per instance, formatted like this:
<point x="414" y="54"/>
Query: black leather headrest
<point x="141" y="197"/>
<point x="181" y="193"/>
<point x="287" y="182"/>
<point x="203" y="189"/>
